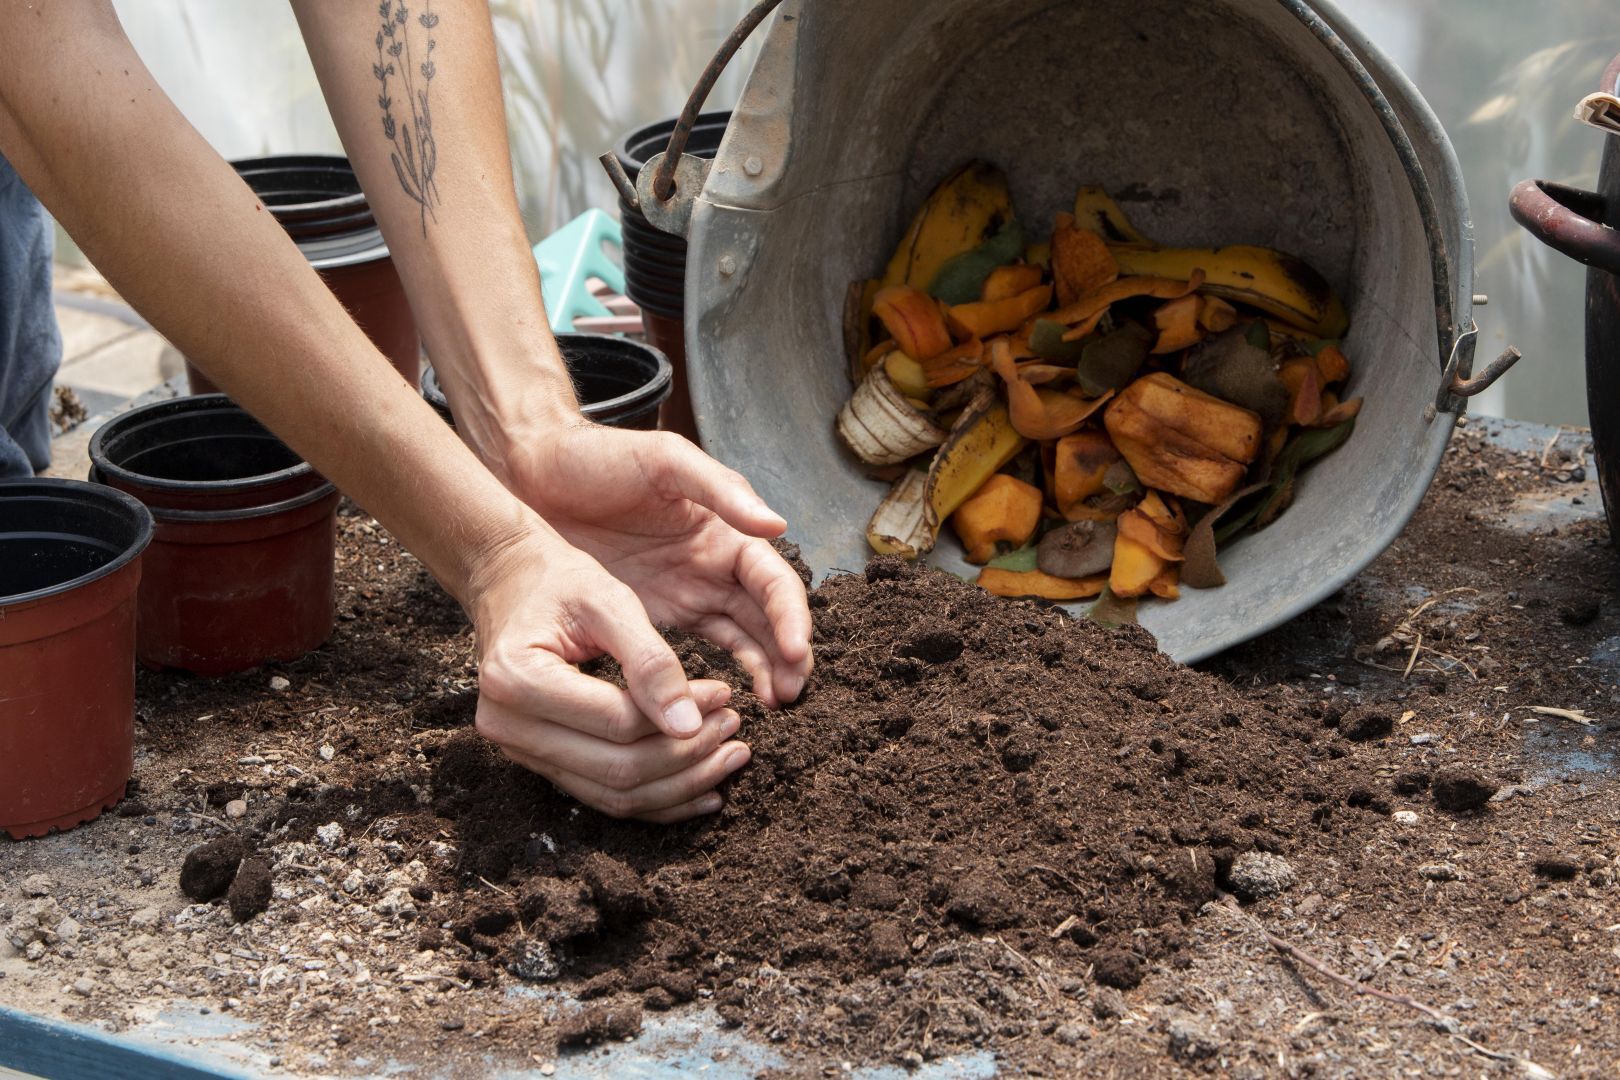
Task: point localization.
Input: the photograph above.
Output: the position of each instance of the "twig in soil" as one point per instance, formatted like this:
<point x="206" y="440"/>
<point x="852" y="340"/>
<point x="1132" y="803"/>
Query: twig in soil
<point x="1546" y="451"/>
<point x="1442" y="1022"/>
<point x="496" y="887"/>
<point x="1068" y="882"/>
<point x="1577" y="715"/>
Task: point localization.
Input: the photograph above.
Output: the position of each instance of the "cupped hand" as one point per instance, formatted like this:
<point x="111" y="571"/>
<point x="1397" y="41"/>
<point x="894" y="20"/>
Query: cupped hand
<point x="687" y="534"/>
<point x="655" y="751"/>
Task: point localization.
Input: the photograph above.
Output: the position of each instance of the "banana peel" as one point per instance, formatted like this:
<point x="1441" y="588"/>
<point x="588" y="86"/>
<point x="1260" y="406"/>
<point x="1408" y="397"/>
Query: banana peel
<point x="882" y="427"/>
<point x="1084" y="314"/>
<point x="1081" y="261"/>
<point x="904" y="524"/>
<point x="1272" y="281"/>
<point x="967" y="209"/>
<point x="1039" y="414"/>
<point x="983" y="441"/>
<point x="1096" y="212"/>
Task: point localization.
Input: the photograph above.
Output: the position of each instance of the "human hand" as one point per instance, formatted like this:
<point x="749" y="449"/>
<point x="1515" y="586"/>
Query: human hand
<point x="687" y="534"/>
<point x="655" y="751"/>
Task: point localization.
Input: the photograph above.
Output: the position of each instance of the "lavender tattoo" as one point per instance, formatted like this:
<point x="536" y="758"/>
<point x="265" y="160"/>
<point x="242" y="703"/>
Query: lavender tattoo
<point x="415" y="155"/>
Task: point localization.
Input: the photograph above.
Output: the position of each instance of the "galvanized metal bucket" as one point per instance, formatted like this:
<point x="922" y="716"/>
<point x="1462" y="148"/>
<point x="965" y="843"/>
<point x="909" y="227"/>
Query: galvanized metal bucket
<point x="1233" y="121"/>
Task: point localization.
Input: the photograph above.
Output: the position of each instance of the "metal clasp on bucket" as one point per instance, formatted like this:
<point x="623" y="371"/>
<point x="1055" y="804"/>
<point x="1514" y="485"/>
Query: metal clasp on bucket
<point x="670" y="182"/>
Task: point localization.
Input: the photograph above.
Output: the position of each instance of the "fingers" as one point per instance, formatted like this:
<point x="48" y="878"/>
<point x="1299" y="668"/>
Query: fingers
<point x="624" y="767"/>
<point x="671" y="798"/>
<point x="777" y="613"/>
<point x="618" y="624"/>
<point x="688" y="472"/>
<point x="725" y="633"/>
<point x="532" y="682"/>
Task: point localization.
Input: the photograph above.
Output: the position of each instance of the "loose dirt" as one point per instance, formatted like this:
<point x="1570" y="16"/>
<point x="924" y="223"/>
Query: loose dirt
<point x="986" y="827"/>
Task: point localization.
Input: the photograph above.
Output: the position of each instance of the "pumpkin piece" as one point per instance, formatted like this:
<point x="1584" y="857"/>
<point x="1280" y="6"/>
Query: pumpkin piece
<point x="907" y="375"/>
<point x="1177" y="323"/>
<point x="1304" y="383"/>
<point x="1005" y="282"/>
<point x="1081" y="462"/>
<point x="1039" y="414"/>
<point x="914" y="320"/>
<point x="989" y="318"/>
<point x="1168" y="459"/>
<point x="1167" y="586"/>
<point x="1167" y="545"/>
<point x="1168" y="516"/>
<point x="1084" y="314"/>
<point x="1333" y="365"/>
<point x="1226" y="428"/>
<point x="1081" y="261"/>
<point x="1216" y="315"/>
<point x="1015" y="584"/>
<point x="1341" y="413"/>
<point x="955" y="365"/>
<point x="1135" y="567"/>
<point x="1004" y="511"/>
<point x="982" y="441"/>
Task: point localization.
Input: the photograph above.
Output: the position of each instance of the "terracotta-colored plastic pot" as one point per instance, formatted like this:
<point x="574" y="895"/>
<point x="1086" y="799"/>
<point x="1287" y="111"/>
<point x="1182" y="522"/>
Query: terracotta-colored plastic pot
<point x="70" y="564"/>
<point x="655" y="261"/>
<point x="318" y="200"/>
<point x="240" y="571"/>
<point x="620" y="383"/>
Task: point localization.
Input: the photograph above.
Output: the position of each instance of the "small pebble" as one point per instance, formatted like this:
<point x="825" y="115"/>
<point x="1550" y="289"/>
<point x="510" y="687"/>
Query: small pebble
<point x="1405" y="817"/>
<point x="1440" y="872"/>
<point x="83" y="987"/>
<point x="236" y="808"/>
<point x="1424" y="739"/>
<point x="279" y="683"/>
<point x="330" y="834"/>
<point x="38" y="885"/>
<point x="1257" y="875"/>
<point x="326" y="752"/>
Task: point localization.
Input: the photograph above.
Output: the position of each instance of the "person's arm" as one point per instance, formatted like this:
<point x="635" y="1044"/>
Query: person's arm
<point x="414" y="88"/>
<point x="188" y="244"/>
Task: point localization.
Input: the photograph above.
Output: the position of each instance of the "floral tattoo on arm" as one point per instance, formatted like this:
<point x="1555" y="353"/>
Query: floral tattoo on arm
<point x="415" y="156"/>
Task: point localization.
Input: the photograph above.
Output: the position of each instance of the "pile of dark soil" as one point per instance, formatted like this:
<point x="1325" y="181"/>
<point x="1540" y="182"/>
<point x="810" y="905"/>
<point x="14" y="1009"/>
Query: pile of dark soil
<point x="979" y="811"/>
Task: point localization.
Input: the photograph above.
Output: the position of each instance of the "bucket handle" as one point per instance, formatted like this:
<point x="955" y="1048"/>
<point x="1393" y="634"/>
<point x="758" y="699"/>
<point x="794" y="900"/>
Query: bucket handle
<point x="1564" y="218"/>
<point x="671" y="181"/>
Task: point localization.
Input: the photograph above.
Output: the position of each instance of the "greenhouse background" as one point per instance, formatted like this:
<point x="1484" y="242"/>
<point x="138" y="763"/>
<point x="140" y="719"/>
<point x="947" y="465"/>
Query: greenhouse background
<point x="1503" y="75"/>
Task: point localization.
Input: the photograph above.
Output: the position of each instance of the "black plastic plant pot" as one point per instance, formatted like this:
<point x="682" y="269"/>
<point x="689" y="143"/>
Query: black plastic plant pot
<point x="70" y="565"/>
<point x="620" y="383"/>
<point x="655" y="261"/>
<point x="198" y="453"/>
<point x="241" y="569"/>
<point x="317" y="199"/>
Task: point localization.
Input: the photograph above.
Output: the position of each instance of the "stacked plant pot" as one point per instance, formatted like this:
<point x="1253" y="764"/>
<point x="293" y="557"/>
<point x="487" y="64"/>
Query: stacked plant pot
<point x="70" y="564"/>
<point x="655" y="261"/>
<point x="240" y="571"/>
<point x="317" y="199"/>
<point x="620" y="383"/>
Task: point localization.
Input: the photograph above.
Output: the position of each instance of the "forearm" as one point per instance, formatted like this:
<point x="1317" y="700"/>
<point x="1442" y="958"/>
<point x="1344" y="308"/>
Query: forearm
<point x="186" y="243"/>
<point x="416" y="95"/>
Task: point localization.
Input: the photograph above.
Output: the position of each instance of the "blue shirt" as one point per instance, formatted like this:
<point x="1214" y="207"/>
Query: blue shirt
<point x="30" y="343"/>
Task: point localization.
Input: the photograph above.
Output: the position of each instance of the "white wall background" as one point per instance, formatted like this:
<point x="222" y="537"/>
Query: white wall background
<point x="1503" y="75"/>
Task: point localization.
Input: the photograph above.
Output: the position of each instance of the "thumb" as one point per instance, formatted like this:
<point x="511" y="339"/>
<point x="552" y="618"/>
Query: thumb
<point x="694" y="475"/>
<point x="652" y="672"/>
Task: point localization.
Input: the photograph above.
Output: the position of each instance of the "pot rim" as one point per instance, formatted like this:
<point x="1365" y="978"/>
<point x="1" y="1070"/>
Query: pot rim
<point x="82" y="490"/>
<point x="245" y="513"/>
<point x="659" y="131"/>
<point x="194" y="403"/>
<point x="650" y="393"/>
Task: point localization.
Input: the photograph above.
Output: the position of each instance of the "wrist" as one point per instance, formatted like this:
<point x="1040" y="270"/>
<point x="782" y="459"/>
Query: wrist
<point x="503" y="405"/>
